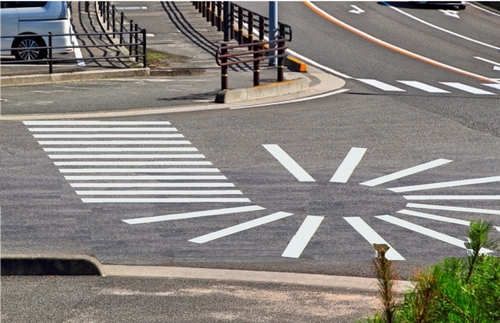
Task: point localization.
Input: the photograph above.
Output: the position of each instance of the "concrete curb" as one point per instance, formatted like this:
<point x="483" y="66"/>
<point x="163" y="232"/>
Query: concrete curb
<point x="24" y="265"/>
<point x="20" y="80"/>
<point x="295" y="65"/>
<point x="262" y="91"/>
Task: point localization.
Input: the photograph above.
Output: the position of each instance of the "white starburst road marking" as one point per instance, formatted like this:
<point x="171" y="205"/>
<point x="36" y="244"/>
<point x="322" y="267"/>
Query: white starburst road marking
<point x="452" y="208"/>
<point x="302" y="237"/>
<point x="406" y="172"/>
<point x="347" y="167"/>
<point x="288" y="162"/>
<point x="372" y="237"/>
<point x="190" y="215"/>
<point x="241" y="227"/>
<point x="437" y="217"/>
<point x="428" y="232"/>
<point x="473" y="181"/>
<point x="452" y="197"/>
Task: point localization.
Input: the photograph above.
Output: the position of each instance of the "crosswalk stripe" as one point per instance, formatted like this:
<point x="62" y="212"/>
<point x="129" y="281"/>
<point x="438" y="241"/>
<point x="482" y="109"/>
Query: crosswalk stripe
<point x="381" y="85"/>
<point x="466" y="88"/>
<point x="424" y="87"/>
<point x="495" y="86"/>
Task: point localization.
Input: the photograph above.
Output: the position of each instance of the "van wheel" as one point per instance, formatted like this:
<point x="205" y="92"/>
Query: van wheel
<point x="27" y="48"/>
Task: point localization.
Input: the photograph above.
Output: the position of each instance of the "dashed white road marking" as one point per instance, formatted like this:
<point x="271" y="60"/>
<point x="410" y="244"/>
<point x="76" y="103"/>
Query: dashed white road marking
<point x="424" y="87"/>
<point x="288" y="162"/>
<point x="438" y="218"/>
<point x="166" y="200"/>
<point x="114" y="142"/>
<point x="113" y="184"/>
<point x="139" y="170"/>
<point x="452" y="197"/>
<point x="372" y="236"/>
<point x="466" y="88"/>
<point x="406" y="172"/>
<point x="381" y="85"/>
<point x="347" y="167"/>
<point x="128" y="156"/>
<point x="301" y="239"/>
<point x="161" y="192"/>
<point x="241" y="227"/>
<point x="147" y="177"/>
<point x="446" y="184"/>
<point x="452" y="208"/>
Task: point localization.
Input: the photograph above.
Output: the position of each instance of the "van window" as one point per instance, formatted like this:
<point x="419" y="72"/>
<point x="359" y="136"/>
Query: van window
<point x="23" y="4"/>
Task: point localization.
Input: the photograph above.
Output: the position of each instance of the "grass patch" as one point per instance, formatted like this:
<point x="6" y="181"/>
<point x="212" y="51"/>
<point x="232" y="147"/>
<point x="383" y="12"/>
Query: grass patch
<point x="157" y="59"/>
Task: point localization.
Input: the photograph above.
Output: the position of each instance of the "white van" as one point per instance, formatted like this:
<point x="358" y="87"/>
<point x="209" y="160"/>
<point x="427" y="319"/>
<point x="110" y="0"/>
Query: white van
<point x="34" y="20"/>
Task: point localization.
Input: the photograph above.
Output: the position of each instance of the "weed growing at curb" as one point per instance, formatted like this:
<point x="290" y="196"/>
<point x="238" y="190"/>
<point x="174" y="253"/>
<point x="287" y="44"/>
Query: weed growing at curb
<point x="455" y="290"/>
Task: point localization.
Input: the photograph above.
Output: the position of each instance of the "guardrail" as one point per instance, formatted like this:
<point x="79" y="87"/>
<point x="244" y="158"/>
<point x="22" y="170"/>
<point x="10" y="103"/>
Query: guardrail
<point x="255" y="53"/>
<point x="50" y="59"/>
<point x="237" y="17"/>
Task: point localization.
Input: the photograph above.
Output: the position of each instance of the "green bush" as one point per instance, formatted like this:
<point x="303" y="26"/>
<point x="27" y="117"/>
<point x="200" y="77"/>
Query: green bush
<point x="458" y="290"/>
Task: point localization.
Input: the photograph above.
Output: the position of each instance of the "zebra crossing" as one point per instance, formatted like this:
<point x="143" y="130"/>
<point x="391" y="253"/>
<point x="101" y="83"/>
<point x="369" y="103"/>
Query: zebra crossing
<point x="132" y="162"/>
<point x="439" y="88"/>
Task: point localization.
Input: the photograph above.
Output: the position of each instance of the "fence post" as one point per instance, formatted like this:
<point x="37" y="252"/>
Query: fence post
<point x="113" y="17"/>
<point x="50" y="53"/>
<point x="240" y="25"/>
<point x="122" y="18"/>
<point x="136" y="46"/>
<point x="144" y="47"/>
<point x="218" y="19"/>
<point x="281" y="58"/>
<point x="262" y="29"/>
<point x="131" y="30"/>
<point x="256" y="64"/>
<point x="224" y="69"/>
<point x="250" y="27"/>
<point x="107" y="15"/>
<point x="212" y="14"/>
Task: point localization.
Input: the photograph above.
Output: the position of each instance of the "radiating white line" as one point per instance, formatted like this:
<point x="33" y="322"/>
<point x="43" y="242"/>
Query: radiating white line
<point x="142" y="178"/>
<point x="139" y="170"/>
<point x="162" y="192"/>
<point x="289" y="163"/>
<point x="117" y="129"/>
<point x="347" y="167"/>
<point x="133" y="185"/>
<point x="115" y="142"/>
<point x="103" y="135"/>
<point x="445" y="184"/>
<point x="466" y="88"/>
<point x="452" y="197"/>
<point x="240" y="227"/>
<point x="166" y="200"/>
<point x="434" y="217"/>
<point x="372" y="236"/>
<point x="424" y="87"/>
<point x="302" y="236"/>
<point x="428" y="232"/>
<point x="134" y="163"/>
<point x="120" y="149"/>
<point x="94" y="123"/>
<point x="487" y="60"/>
<point x="128" y="156"/>
<point x="495" y="86"/>
<point x="406" y="172"/>
<point x="452" y="208"/>
<point x="190" y="215"/>
<point x="381" y="85"/>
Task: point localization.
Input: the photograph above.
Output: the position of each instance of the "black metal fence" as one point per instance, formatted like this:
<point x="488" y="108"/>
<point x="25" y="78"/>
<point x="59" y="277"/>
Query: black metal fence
<point x="237" y="17"/>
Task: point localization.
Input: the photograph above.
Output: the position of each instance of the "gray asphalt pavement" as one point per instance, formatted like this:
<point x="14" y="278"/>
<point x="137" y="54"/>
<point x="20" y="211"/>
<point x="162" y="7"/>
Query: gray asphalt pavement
<point x="176" y="294"/>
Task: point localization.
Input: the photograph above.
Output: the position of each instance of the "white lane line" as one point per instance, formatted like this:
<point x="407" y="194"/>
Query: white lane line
<point x="146" y="177"/>
<point x="90" y="136"/>
<point x="372" y="236"/>
<point x="381" y="85"/>
<point x="442" y="29"/>
<point x="139" y="170"/>
<point x="117" y="129"/>
<point x="452" y="197"/>
<point x="424" y="87"/>
<point x="347" y="167"/>
<point x="289" y="163"/>
<point x="95" y="123"/>
<point x="128" y="156"/>
<point x="132" y="8"/>
<point x="428" y="232"/>
<point x="495" y="86"/>
<point x="118" y="149"/>
<point x="78" y="52"/>
<point x="466" y="88"/>
<point x="406" y="172"/>
<point x="452" y="208"/>
<point x="486" y="60"/>
<point x="190" y="215"/>
<point x="473" y="181"/>
<point x="114" y="142"/>
<point x="302" y="236"/>
<point x="166" y="200"/>
<point x="162" y="192"/>
<point x="135" y="163"/>
<point x="241" y="227"/>
<point x="134" y="185"/>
